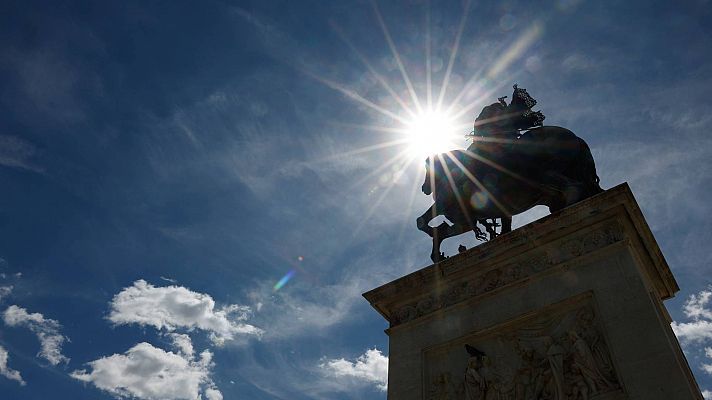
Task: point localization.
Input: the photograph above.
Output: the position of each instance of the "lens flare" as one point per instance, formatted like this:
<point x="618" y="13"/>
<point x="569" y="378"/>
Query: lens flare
<point x="478" y="200"/>
<point x="284" y="280"/>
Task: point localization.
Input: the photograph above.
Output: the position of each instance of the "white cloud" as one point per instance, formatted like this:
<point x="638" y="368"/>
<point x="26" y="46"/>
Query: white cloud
<point x="708" y="367"/>
<point x="183" y="344"/>
<point x="213" y="394"/>
<point x="7" y="372"/>
<point x="173" y="307"/>
<point x="371" y="367"/>
<point x="698" y="330"/>
<point x="696" y="308"/>
<point x="170" y="280"/>
<point x="147" y="372"/>
<point x="5" y="291"/>
<point x="47" y="331"/>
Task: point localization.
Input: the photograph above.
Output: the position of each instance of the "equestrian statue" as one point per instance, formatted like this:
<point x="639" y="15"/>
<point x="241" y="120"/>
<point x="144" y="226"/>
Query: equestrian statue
<point x="513" y="164"/>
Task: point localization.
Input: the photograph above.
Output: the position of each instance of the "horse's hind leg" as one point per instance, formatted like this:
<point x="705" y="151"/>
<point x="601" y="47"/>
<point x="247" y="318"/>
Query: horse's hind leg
<point x="566" y="191"/>
<point x="506" y="224"/>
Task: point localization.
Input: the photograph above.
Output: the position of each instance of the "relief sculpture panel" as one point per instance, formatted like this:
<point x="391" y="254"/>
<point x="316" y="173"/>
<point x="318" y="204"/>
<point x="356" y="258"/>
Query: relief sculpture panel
<point x="554" y="356"/>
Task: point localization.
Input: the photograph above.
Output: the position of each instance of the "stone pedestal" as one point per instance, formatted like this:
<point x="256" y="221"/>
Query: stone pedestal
<point x="567" y="307"/>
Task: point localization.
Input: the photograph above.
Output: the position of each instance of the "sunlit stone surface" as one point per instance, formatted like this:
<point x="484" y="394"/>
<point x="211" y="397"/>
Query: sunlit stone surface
<point x="567" y="307"/>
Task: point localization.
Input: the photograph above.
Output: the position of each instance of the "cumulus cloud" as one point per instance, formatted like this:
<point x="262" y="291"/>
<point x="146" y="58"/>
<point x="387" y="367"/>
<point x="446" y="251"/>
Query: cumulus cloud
<point x="47" y="331"/>
<point x="695" y="331"/>
<point x="697" y="309"/>
<point x="698" y="330"/>
<point x="708" y="367"/>
<point x="183" y="344"/>
<point x="147" y="372"/>
<point x="6" y="371"/>
<point x="172" y="307"/>
<point x="696" y="306"/>
<point x="371" y="367"/>
<point x="213" y="394"/>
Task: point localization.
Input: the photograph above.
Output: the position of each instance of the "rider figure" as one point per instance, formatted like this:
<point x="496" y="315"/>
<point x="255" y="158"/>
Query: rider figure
<point x="495" y="133"/>
<point x="498" y="127"/>
<point x="502" y="121"/>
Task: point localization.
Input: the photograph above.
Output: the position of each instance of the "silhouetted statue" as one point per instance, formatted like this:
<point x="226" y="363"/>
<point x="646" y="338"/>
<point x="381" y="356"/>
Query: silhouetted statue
<point x="513" y="164"/>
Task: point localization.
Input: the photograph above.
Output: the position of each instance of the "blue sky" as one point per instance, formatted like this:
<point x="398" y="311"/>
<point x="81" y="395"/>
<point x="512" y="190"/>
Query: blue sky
<point x="164" y="165"/>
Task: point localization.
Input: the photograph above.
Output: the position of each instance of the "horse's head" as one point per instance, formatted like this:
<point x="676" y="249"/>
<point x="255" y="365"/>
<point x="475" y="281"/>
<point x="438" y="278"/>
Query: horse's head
<point x="426" y="185"/>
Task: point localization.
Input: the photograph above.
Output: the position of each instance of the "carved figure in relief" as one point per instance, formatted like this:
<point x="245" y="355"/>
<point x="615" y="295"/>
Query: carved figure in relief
<point x="579" y="388"/>
<point x="590" y="334"/>
<point x="475" y="383"/>
<point x="442" y="388"/>
<point x="585" y="364"/>
<point x="482" y="381"/>
<point x="555" y="356"/>
<point x="497" y="387"/>
<point x="529" y="376"/>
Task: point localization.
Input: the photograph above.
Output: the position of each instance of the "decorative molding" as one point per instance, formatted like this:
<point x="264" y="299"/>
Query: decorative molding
<point x="535" y="263"/>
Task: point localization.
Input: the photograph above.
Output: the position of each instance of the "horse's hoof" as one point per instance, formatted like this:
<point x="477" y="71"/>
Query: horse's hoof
<point x="437" y="258"/>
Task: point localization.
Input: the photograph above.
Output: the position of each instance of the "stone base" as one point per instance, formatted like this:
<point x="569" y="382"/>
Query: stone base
<point x="567" y="307"/>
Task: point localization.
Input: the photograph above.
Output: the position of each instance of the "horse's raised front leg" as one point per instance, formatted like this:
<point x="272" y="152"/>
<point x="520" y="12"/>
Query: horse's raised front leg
<point x="425" y="219"/>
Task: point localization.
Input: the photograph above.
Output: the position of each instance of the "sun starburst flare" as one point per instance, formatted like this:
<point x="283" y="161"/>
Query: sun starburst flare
<point x="423" y="127"/>
<point x="431" y="132"/>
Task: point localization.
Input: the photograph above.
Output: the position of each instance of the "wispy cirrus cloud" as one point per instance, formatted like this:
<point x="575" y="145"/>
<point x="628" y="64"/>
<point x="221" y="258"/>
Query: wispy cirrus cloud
<point x="47" y="331"/>
<point x="16" y="152"/>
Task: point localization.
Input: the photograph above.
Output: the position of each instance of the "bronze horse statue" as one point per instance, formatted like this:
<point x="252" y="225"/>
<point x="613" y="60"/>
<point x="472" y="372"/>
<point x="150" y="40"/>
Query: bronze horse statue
<point x="513" y="165"/>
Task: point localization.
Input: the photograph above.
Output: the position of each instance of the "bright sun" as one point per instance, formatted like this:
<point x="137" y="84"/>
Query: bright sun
<point x="431" y="132"/>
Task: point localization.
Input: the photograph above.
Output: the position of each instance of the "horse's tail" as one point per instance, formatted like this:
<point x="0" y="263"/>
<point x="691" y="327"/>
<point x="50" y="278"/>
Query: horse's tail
<point x="586" y="170"/>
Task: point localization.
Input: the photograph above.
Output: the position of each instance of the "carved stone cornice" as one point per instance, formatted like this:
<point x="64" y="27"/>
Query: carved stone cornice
<point x="510" y="273"/>
<point x="525" y="253"/>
